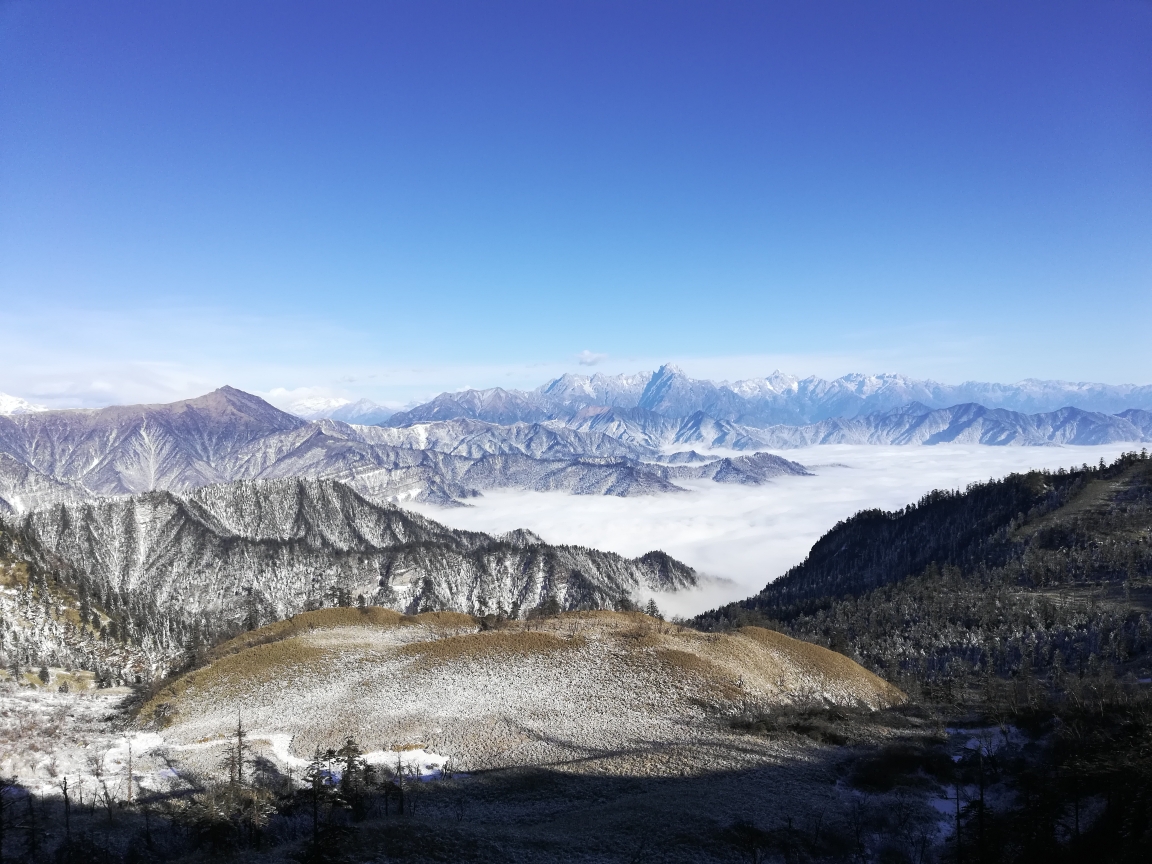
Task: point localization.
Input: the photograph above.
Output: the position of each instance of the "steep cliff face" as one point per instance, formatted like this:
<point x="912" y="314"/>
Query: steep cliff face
<point x="257" y="550"/>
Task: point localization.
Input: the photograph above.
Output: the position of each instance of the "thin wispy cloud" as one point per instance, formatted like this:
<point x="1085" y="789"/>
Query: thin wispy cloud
<point x="85" y="357"/>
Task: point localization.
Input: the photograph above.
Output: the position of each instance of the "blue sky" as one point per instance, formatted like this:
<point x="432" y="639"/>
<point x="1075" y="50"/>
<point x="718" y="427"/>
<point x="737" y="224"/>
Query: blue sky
<point x="390" y="199"/>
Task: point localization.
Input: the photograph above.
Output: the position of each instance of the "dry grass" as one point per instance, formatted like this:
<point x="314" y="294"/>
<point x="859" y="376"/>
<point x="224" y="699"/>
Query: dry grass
<point x="553" y="691"/>
<point x="686" y="661"/>
<point x="706" y="673"/>
<point x="77" y="681"/>
<point x="232" y="675"/>
<point x="444" y="620"/>
<point x="14" y="575"/>
<point x="329" y="619"/>
<point x="491" y="643"/>
<point x="372" y="616"/>
<point x="822" y="662"/>
<point x="279" y="650"/>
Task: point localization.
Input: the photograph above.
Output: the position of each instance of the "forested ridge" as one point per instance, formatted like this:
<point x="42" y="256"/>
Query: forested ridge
<point x="1017" y="615"/>
<point x="1033" y="572"/>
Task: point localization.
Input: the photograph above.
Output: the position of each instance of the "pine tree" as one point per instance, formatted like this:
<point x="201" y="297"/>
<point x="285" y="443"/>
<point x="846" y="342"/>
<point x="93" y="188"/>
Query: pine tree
<point x="318" y="777"/>
<point x="353" y="777"/>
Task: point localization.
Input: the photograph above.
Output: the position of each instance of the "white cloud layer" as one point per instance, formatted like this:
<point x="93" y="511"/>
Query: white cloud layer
<point x="750" y="535"/>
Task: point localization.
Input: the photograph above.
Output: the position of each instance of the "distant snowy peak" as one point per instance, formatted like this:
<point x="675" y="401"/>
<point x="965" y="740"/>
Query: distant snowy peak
<point x="363" y="412"/>
<point x="496" y="405"/>
<point x="316" y="407"/>
<point x="16" y="405"/>
<point x="778" y="399"/>
<point x="599" y="389"/>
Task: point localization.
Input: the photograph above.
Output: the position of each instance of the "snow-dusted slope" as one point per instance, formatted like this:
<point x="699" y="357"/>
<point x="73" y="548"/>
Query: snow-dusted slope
<point x="494" y="406"/>
<point x="1142" y="420"/>
<point x="909" y="424"/>
<point x="278" y="547"/>
<point x="476" y="438"/>
<point x="960" y="424"/>
<point x="136" y="448"/>
<point x="607" y="693"/>
<point x="749" y="470"/>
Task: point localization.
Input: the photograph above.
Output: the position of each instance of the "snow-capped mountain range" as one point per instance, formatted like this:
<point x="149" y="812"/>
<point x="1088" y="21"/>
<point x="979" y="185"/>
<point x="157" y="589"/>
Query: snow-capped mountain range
<point x="184" y="520"/>
<point x="581" y="434"/>
<point x="908" y="424"/>
<point x="228" y="435"/>
<point x="778" y="399"/>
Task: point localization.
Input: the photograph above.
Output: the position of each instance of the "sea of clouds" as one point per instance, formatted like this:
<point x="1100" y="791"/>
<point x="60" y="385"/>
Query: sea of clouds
<point x="746" y="536"/>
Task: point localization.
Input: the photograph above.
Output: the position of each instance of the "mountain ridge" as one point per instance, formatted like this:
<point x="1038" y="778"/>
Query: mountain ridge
<point x="777" y="399"/>
<point x="221" y="554"/>
<point x="228" y="435"/>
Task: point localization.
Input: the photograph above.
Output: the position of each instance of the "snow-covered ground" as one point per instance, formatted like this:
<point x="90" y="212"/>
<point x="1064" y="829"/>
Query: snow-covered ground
<point x="750" y="535"/>
<point x="49" y="738"/>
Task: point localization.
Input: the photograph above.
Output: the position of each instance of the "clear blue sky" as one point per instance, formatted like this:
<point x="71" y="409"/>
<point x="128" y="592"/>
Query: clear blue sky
<point x="388" y="199"/>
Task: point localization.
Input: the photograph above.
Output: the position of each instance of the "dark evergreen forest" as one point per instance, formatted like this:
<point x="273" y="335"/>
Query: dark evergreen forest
<point x="1022" y="605"/>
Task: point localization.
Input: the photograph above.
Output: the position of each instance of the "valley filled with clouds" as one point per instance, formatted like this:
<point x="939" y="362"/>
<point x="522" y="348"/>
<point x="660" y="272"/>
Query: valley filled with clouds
<point x="746" y="536"/>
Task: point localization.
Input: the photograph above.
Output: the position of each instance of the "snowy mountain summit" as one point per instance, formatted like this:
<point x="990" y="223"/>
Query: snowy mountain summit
<point x="16" y="405"/>
<point x="777" y="399"/>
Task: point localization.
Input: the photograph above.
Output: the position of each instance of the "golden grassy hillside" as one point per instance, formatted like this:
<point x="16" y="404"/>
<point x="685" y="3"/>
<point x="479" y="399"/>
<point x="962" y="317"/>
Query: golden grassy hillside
<point x="589" y="690"/>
